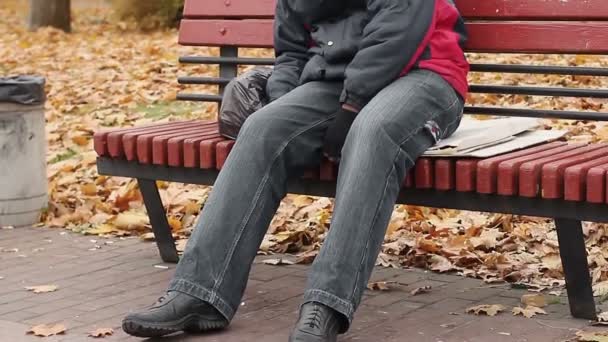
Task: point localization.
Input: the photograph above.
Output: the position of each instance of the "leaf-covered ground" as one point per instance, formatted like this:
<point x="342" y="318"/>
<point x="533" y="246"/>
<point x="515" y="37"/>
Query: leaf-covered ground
<point x="108" y="74"/>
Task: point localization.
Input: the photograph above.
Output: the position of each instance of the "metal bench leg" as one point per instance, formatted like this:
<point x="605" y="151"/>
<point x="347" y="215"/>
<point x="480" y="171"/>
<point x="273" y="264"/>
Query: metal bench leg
<point x="576" y="270"/>
<point x="158" y="220"/>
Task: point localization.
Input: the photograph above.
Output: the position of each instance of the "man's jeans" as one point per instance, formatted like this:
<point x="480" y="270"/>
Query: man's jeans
<point x="285" y="138"/>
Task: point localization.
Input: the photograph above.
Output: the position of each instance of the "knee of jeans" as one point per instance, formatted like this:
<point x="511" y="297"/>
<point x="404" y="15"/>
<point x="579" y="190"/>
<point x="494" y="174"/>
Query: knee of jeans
<point x="371" y="132"/>
<point x="259" y="125"/>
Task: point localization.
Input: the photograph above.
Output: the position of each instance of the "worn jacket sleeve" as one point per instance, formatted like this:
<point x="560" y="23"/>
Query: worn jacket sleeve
<point x="393" y="39"/>
<point x="291" y="45"/>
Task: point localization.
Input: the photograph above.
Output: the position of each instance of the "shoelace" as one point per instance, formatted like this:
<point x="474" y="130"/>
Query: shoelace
<point x="314" y="319"/>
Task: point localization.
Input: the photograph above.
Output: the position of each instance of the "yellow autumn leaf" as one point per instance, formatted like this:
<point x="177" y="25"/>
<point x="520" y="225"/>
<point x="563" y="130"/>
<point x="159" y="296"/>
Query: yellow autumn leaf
<point x="529" y="311"/>
<point x="42" y="288"/>
<point x="131" y="220"/>
<point x="485" y="309"/>
<point x="46" y="330"/>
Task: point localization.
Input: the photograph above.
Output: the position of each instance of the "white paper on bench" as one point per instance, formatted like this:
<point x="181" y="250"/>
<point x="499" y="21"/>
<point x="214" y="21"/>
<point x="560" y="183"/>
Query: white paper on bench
<point x="486" y="138"/>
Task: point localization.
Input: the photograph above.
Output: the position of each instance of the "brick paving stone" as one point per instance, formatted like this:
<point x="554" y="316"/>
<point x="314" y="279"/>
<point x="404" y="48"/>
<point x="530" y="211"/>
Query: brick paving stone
<point x="97" y="288"/>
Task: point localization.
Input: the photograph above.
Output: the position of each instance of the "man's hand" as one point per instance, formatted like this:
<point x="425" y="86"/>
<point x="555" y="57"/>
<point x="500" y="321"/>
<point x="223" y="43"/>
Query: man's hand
<point x="337" y="132"/>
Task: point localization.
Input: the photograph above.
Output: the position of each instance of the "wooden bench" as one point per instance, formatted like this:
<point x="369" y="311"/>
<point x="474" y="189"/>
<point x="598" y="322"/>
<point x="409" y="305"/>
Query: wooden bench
<point x="567" y="182"/>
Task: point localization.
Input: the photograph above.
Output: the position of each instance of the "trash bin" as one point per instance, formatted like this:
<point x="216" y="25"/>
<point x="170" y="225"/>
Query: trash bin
<point x="23" y="182"/>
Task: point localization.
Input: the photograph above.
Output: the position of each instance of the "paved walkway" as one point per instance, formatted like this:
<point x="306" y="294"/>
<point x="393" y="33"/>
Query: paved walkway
<point x="100" y="280"/>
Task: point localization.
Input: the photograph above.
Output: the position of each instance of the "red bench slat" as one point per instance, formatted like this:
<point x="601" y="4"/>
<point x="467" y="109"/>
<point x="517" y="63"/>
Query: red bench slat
<point x="144" y="142"/>
<point x="470" y="9"/>
<point x="201" y="153"/>
<point x="552" y="182"/>
<point x="596" y="184"/>
<point x="575" y="179"/>
<point x="466" y="174"/>
<point x="533" y="9"/>
<point x="445" y="176"/>
<point x="175" y="147"/>
<point x="515" y="36"/>
<point x="229" y="8"/>
<point x="222" y="150"/>
<point x="530" y="172"/>
<point x="115" y="138"/>
<point x="508" y="170"/>
<point x="424" y="178"/>
<point x="487" y="169"/>
<point x="160" y="144"/>
<point x="126" y="144"/>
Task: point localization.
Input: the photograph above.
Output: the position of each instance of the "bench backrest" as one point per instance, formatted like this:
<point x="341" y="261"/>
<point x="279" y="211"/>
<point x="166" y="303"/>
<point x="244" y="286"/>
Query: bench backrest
<point x="494" y="26"/>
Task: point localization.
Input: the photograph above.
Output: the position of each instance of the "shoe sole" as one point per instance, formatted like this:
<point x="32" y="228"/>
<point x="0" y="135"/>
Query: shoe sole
<point x="192" y="323"/>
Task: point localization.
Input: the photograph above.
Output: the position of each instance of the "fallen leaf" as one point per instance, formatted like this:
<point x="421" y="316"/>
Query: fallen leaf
<point x="440" y="264"/>
<point x="148" y="236"/>
<point x="420" y="290"/>
<point x="537" y="300"/>
<point x="529" y="312"/>
<point x="598" y="336"/>
<point x="379" y="286"/>
<point x="602" y="319"/>
<point x="42" y="288"/>
<point x="485" y="309"/>
<point x="600" y="289"/>
<point x="307" y="258"/>
<point x="131" y="220"/>
<point x="46" y="330"/>
<point x="180" y="245"/>
<point x="278" y="262"/>
<point x="101" y="332"/>
<point x="89" y="189"/>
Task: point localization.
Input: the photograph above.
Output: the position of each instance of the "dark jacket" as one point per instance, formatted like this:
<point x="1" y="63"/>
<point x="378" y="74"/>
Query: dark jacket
<point x="366" y="43"/>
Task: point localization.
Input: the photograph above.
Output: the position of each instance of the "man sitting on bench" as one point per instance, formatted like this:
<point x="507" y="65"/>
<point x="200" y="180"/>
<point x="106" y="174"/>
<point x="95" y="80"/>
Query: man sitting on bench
<point x="369" y="83"/>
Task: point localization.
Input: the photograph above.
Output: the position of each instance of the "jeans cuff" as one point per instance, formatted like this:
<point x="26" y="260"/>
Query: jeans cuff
<point x="206" y="295"/>
<point x="344" y="307"/>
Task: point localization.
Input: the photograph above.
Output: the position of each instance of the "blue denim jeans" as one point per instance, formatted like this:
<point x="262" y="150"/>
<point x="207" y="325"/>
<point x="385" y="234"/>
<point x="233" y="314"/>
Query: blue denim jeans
<point x="283" y="139"/>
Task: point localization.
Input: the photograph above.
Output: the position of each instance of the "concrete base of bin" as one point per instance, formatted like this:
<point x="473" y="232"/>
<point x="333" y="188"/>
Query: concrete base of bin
<point x="23" y="182"/>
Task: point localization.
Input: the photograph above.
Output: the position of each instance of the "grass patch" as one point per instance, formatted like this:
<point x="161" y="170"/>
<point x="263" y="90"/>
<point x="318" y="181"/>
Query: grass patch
<point x="158" y="111"/>
<point x="69" y="153"/>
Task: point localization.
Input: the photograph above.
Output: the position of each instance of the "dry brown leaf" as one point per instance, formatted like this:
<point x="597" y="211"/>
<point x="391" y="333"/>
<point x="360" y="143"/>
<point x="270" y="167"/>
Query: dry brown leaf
<point x="600" y="289"/>
<point x="131" y="220"/>
<point x="529" y="312"/>
<point x="42" y="288"/>
<point x="180" y="245"/>
<point x="46" y="330"/>
<point x="278" y="262"/>
<point x="89" y="189"/>
<point x="440" y="264"/>
<point x="602" y="319"/>
<point x="420" y="290"/>
<point x="380" y="286"/>
<point x="174" y="223"/>
<point x="485" y="309"/>
<point x="537" y="300"/>
<point x="307" y="258"/>
<point x="598" y="336"/>
<point x="148" y="236"/>
<point x="101" y="332"/>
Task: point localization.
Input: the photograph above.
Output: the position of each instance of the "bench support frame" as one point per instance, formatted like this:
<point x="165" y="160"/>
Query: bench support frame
<point x="567" y="215"/>
<point x="576" y="269"/>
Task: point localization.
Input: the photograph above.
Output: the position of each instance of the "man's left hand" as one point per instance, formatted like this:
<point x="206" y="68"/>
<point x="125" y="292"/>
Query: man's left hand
<point x="337" y="132"/>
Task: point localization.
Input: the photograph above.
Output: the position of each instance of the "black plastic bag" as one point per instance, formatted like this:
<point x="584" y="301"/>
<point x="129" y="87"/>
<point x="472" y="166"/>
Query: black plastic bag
<point x="24" y="90"/>
<point x="242" y="97"/>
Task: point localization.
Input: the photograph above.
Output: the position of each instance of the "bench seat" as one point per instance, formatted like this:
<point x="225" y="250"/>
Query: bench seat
<point x="557" y="170"/>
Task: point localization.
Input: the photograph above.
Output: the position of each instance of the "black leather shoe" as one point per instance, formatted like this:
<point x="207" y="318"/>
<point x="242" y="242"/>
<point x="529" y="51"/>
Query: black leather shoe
<point x="174" y="312"/>
<point x="317" y="323"/>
